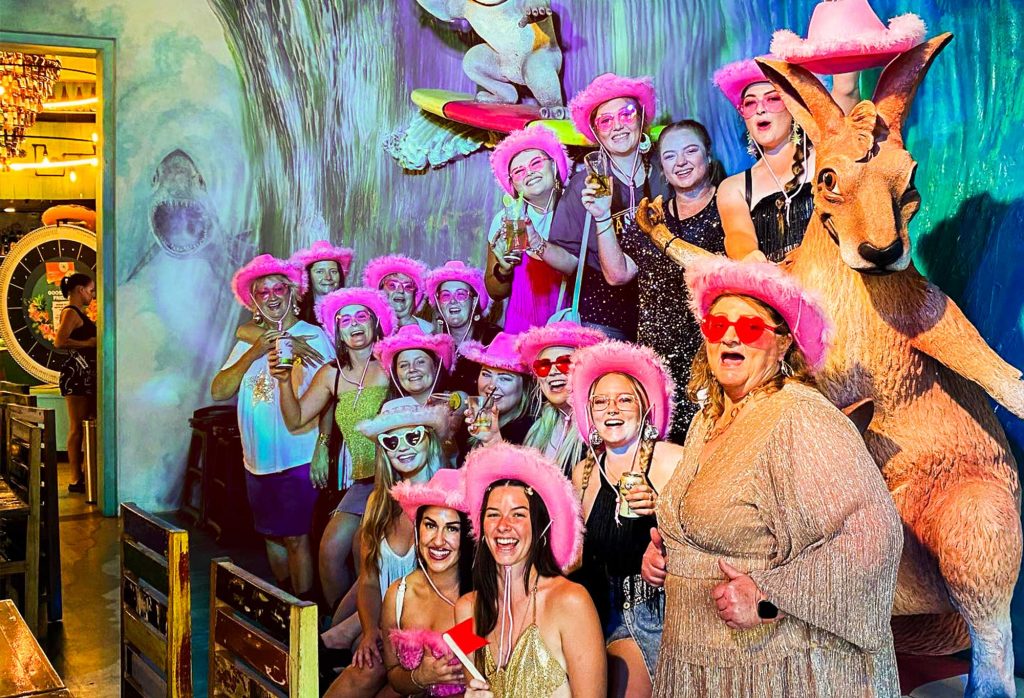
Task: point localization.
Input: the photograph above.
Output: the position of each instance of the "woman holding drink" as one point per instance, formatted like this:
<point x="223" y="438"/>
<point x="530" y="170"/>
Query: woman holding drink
<point x="276" y="457"/>
<point x="621" y="397"/>
<point x="501" y="409"/>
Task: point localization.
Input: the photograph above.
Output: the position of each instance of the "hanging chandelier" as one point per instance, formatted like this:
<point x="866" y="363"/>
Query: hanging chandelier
<point x="26" y="81"/>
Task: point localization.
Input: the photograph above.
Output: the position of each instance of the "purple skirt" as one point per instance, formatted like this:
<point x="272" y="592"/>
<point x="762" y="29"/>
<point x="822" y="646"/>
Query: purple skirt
<point x="282" y="503"/>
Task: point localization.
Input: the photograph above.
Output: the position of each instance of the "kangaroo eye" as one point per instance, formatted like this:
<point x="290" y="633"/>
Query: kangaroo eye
<point x="830" y="180"/>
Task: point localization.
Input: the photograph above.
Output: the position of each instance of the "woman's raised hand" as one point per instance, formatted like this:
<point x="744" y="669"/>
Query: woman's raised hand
<point x="599" y="208"/>
<point x="642" y="499"/>
<point x="278" y="370"/>
<point x="302" y="349"/>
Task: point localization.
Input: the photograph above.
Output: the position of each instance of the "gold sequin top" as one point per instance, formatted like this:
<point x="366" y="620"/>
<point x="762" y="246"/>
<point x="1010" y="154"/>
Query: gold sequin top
<point x="532" y="671"/>
<point x="354" y="406"/>
<point x="790" y="495"/>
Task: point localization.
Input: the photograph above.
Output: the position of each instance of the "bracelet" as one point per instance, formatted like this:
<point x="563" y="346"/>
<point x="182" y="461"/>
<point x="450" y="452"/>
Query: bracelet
<point x="412" y="677"/>
<point x="322" y="439"/>
<point x="674" y="238"/>
<point x="602" y="220"/>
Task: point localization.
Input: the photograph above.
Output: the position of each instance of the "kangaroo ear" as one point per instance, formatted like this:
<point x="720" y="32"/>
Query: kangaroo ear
<point x="898" y="84"/>
<point x="805" y="97"/>
<point x="863" y="120"/>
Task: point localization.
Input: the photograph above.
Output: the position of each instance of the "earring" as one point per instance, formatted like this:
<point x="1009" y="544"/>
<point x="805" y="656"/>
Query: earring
<point x="785" y="369"/>
<point x="256" y="317"/>
<point x="650" y="432"/>
<point x="795" y="133"/>
<point x="595" y="438"/>
<point x="645" y="143"/>
<point x="751" y="146"/>
<point x="295" y="309"/>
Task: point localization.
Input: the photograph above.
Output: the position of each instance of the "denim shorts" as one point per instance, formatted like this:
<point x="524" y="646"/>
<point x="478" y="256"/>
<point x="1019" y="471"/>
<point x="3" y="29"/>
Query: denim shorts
<point x="639" y="617"/>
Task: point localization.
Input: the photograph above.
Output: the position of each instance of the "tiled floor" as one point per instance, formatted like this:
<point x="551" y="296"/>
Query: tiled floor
<point x="84" y="647"/>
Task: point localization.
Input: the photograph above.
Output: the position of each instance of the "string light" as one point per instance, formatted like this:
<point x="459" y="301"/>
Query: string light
<point x="50" y="106"/>
<point x="48" y="164"/>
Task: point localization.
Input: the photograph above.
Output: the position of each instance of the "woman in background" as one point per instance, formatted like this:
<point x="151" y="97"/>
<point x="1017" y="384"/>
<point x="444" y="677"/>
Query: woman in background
<point x="76" y="334"/>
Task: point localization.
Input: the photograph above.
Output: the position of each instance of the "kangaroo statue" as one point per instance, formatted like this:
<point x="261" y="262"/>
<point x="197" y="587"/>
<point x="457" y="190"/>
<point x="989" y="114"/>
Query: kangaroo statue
<point x="902" y="343"/>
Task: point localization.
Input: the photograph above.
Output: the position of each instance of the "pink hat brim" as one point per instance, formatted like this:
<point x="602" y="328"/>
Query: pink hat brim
<point x="732" y="79"/>
<point x="373" y="300"/>
<point x="377" y="269"/>
<point x="502" y="461"/>
<point x="323" y="251"/>
<point x="828" y="52"/>
<point x="445" y="489"/>
<point x="433" y="416"/>
<point x="605" y="88"/>
<point x="500" y="353"/>
<point x="455" y="270"/>
<point x="441" y="345"/>
<point x="558" y="334"/>
<point x="535" y="137"/>
<point x="712" y="277"/>
<point x="265" y="265"/>
<point x="642" y="363"/>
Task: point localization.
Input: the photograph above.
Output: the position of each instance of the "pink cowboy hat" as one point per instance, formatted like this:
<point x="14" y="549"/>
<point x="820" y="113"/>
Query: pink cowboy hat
<point x="500" y="353"/>
<point x="265" y="265"/>
<point x="457" y="271"/>
<point x="810" y="326"/>
<point x="641" y="363"/>
<point x="447" y="488"/>
<point x="605" y="88"/>
<point x="535" y="137"/>
<point x="502" y="461"/>
<point x="412" y="337"/>
<point x="377" y="269"/>
<point x="558" y="334"/>
<point x="734" y="78"/>
<point x="403" y="413"/>
<point x="323" y="251"/>
<point x="371" y="299"/>
<point x="847" y="35"/>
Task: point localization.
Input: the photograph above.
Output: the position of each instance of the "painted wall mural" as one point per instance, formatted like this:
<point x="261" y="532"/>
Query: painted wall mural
<point x="259" y="125"/>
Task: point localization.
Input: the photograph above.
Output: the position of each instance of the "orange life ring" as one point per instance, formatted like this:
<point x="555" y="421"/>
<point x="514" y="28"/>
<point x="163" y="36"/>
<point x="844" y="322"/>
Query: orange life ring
<point x="70" y="213"/>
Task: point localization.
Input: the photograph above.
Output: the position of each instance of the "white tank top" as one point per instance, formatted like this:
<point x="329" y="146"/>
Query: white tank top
<point x="392" y="567"/>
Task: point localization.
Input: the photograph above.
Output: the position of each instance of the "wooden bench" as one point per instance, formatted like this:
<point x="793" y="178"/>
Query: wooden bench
<point x="263" y="641"/>
<point x="156" y="607"/>
<point x="28" y="497"/>
<point x="24" y="669"/>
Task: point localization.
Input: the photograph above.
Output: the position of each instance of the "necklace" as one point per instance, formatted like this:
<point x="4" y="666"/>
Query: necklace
<point x="359" y="385"/>
<point x="630" y="178"/>
<point x="783" y="203"/>
<point x="719" y="430"/>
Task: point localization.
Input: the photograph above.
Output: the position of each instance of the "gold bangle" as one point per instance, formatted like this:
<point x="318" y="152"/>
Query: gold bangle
<point x="322" y="439"/>
<point x="412" y="677"/>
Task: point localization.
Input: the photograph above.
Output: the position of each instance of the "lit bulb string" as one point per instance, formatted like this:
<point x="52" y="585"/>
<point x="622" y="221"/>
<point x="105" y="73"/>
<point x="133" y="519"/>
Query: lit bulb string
<point x="52" y="164"/>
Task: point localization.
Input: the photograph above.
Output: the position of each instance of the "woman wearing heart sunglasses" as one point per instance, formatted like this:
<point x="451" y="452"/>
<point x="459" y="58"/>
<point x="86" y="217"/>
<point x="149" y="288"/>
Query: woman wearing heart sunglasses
<point x="342" y="393"/>
<point x="408" y="440"/>
<point x="548" y="350"/>
<point x="531" y="166"/>
<point x="776" y="515"/>
<point x="622" y="402"/>
<point x="765" y="209"/>
<point x="401" y="279"/>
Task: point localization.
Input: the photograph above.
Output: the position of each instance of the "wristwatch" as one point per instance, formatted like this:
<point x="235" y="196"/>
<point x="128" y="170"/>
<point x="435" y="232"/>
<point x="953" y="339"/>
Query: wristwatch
<point x="766" y="610"/>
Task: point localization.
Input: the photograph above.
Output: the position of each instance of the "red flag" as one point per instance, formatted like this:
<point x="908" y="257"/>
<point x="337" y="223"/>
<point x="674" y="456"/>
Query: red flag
<point x="463" y="636"/>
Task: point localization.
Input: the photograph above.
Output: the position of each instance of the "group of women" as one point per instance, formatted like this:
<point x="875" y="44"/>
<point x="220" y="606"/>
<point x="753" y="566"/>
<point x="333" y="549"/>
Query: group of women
<point x="635" y="500"/>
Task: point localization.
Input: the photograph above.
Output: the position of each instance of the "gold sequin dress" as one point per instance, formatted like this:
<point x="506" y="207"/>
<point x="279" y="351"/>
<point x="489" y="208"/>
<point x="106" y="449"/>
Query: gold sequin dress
<point x="532" y="671"/>
<point x="790" y="495"/>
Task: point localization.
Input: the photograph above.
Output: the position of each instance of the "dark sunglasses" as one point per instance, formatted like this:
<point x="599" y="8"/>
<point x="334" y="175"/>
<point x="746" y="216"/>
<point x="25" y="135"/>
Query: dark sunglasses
<point x="749" y="328"/>
<point x="542" y="367"/>
<point x="391" y="442"/>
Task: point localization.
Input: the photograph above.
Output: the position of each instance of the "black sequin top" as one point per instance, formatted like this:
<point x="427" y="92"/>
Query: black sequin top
<point x="666" y="324"/>
<point x="778" y="235"/>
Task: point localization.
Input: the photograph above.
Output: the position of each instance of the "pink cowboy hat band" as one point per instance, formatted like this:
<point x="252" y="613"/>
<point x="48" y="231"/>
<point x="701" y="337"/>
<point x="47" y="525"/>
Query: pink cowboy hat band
<point x="811" y="328"/>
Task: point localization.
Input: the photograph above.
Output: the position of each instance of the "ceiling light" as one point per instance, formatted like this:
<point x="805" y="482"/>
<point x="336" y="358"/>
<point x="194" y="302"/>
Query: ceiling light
<point x="27" y="81"/>
<point x="50" y="106"/>
<point x="18" y="166"/>
<point x="10" y="209"/>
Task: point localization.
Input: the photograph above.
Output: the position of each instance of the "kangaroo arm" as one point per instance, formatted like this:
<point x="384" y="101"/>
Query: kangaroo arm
<point x="650" y="219"/>
<point x="953" y="341"/>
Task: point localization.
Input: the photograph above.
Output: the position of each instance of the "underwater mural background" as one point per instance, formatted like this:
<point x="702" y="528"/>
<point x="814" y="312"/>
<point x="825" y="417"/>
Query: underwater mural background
<point x="248" y="126"/>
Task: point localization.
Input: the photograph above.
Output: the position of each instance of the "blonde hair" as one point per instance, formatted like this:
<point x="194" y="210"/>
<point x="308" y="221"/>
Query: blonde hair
<point x="539" y="436"/>
<point x="381" y="508"/>
<point x="705" y="389"/>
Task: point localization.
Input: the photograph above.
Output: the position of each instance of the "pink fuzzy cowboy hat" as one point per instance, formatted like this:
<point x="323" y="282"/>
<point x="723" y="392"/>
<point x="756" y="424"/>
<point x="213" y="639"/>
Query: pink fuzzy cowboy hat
<point x="265" y="265"/>
<point x="847" y="35"/>
<point x="500" y="353"/>
<point x="403" y="413"/>
<point x="377" y="269"/>
<point x="558" y="334"/>
<point x="734" y="78"/>
<point x="641" y="363"/>
<point x="447" y="488"/>
<point x="502" y="461"/>
<point x="412" y="337"/>
<point x="712" y="277"/>
<point x="605" y="88"/>
<point x="323" y="251"/>
<point x="371" y="299"/>
<point x="532" y="137"/>
<point x="455" y="270"/>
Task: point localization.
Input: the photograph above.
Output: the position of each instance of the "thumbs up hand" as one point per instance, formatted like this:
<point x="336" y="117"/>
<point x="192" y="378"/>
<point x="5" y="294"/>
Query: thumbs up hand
<point x="737" y="598"/>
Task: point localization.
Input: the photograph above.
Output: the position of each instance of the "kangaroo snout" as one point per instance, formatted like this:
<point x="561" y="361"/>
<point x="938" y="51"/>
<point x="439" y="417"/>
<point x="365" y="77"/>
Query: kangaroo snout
<point x="883" y="257"/>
